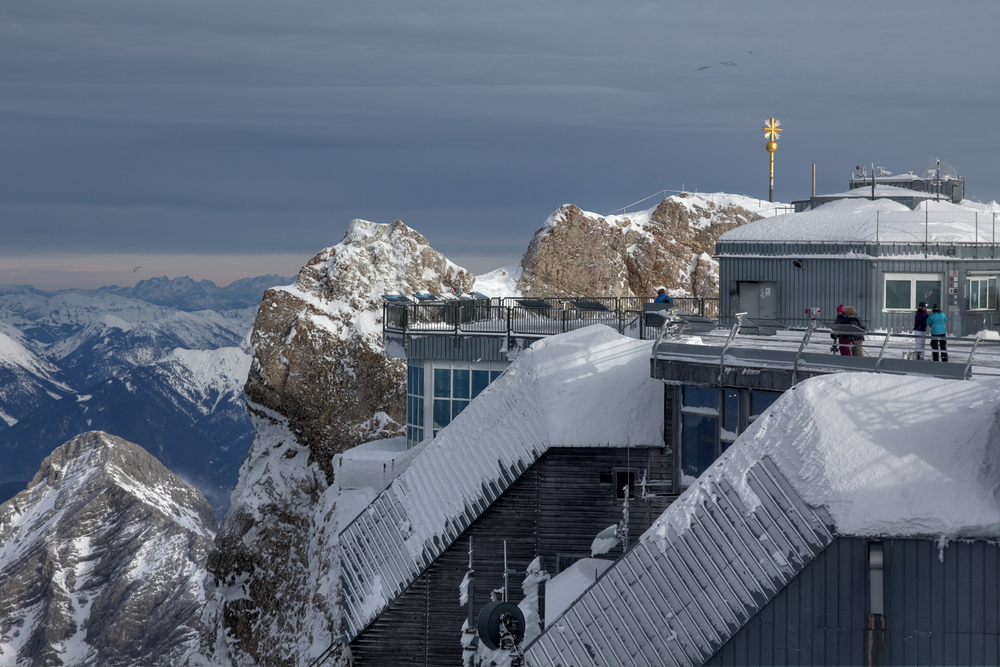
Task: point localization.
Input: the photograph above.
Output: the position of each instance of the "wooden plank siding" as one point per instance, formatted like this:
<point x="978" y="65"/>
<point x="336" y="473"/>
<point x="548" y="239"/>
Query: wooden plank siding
<point x="556" y="507"/>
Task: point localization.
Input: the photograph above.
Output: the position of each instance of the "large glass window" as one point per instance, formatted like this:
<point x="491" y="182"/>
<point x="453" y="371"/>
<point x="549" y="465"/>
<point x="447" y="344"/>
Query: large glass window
<point x="981" y="293"/>
<point x="454" y="388"/>
<point x="903" y="291"/>
<point x="712" y="419"/>
<point x="701" y="442"/>
<point x="699" y="429"/>
<point x="414" y="402"/>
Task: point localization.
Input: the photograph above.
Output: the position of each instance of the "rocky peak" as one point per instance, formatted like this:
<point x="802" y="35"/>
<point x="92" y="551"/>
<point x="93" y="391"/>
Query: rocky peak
<point x="578" y="253"/>
<point x="101" y="559"/>
<point x="319" y="384"/>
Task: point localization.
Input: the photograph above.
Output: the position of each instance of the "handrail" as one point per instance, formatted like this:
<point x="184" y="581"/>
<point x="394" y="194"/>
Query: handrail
<point x="537" y="317"/>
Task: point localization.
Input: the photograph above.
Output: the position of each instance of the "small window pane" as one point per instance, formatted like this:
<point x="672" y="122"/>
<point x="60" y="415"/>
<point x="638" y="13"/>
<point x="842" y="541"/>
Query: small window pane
<point x="984" y="296"/>
<point x="442" y="383"/>
<point x="730" y="414"/>
<point x="991" y="294"/>
<point x="897" y="294"/>
<point x="972" y="294"/>
<point x="460" y="384"/>
<point x="457" y="407"/>
<point x="420" y="381"/>
<point x="701" y="440"/>
<point x="761" y="400"/>
<point x="928" y="291"/>
<point x="480" y="380"/>
<point x="701" y="397"/>
<point x="494" y="375"/>
<point x="442" y="414"/>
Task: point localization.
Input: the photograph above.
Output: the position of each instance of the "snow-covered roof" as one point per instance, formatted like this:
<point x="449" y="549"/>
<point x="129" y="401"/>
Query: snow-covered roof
<point x="856" y="219"/>
<point x="865" y="455"/>
<point x="586" y="388"/>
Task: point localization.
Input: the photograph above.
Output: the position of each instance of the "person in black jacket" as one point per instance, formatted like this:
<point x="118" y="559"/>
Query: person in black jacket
<point x="920" y="330"/>
<point x="851" y="317"/>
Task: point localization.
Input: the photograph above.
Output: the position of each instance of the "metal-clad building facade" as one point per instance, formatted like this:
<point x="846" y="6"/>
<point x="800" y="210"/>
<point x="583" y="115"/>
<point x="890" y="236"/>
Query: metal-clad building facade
<point x="942" y="607"/>
<point x="823" y="275"/>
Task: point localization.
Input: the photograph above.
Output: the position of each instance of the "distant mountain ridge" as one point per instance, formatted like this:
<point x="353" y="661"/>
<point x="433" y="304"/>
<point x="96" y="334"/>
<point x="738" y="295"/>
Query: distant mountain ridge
<point x="162" y="363"/>
<point x="182" y="293"/>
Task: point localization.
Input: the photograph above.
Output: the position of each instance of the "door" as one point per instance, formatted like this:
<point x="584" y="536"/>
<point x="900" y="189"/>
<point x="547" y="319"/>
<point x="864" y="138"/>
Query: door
<point x="758" y="299"/>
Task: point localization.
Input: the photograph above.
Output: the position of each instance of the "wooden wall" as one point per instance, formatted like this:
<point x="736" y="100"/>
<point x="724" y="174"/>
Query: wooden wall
<point x="557" y="507"/>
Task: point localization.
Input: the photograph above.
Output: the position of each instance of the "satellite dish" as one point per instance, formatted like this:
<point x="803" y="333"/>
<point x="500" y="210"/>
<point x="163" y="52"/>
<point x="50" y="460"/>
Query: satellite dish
<point x="501" y="625"/>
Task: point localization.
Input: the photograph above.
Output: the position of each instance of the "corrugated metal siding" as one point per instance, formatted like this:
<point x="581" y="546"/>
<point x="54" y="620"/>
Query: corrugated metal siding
<point x="462" y="348"/>
<point x="822" y="283"/>
<point x="942" y="607"/>
<point x="859" y="282"/>
<point x="556" y="507"/>
<point x="676" y="601"/>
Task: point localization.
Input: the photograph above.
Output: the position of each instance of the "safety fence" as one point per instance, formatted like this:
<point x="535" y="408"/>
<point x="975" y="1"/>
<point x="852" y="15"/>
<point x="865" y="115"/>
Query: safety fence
<point x="534" y="316"/>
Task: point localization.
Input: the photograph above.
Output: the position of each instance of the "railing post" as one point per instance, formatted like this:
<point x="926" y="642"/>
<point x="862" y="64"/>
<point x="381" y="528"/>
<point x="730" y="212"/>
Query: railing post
<point x="968" y="364"/>
<point x="881" y="353"/>
<point x="725" y="348"/>
<point x="798" y="356"/>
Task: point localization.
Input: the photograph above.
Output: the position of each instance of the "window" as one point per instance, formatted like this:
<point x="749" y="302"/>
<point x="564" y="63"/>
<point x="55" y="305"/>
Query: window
<point x="414" y="402"/>
<point x="981" y="293"/>
<point x="454" y="388"/>
<point x="760" y="401"/>
<point x="710" y="421"/>
<point x="903" y="291"/>
<point x="699" y="429"/>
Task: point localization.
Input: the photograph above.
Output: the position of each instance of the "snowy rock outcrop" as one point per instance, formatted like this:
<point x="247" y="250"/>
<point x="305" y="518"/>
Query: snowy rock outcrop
<point x="585" y="254"/>
<point x="319" y="383"/>
<point x="102" y="559"/>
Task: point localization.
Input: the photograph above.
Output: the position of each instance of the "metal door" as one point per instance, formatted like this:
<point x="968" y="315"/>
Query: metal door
<point x="758" y="299"/>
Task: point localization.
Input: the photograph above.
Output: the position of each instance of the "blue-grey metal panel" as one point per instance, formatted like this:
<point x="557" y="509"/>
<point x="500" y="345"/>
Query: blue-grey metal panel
<point x="677" y="598"/>
<point x="941" y="608"/>
<point x="462" y="348"/>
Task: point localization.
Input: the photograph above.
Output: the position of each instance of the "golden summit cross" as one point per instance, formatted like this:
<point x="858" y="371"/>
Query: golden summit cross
<point x="772" y="130"/>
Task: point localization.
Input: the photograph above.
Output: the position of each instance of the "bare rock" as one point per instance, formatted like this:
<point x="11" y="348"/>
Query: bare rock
<point x="577" y="253"/>
<point x="319" y="384"/>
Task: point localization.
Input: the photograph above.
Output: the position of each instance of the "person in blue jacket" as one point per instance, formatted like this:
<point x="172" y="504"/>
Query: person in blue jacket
<point x="661" y="296"/>
<point x="935" y="322"/>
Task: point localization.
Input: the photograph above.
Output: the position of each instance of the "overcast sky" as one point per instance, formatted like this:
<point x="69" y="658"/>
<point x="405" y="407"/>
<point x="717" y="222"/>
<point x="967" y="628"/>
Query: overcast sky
<point x="223" y="139"/>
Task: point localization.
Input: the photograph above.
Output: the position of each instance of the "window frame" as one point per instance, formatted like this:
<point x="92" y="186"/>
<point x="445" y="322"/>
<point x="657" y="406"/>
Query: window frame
<point x="913" y="279"/>
<point x="968" y="293"/>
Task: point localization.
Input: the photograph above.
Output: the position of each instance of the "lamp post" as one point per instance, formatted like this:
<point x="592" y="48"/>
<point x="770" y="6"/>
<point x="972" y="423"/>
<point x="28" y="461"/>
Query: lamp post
<point x="772" y="130"/>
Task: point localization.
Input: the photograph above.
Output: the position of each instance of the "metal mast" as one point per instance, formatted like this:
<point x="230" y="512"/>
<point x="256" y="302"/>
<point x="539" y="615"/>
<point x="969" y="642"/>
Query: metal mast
<point x="772" y="130"/>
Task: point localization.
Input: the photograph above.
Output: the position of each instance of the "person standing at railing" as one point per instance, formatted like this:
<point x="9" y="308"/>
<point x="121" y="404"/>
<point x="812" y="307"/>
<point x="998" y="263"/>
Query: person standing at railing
<point x="843" y="342"/>
<point x="935" y="321"/>
<point x="851" y="317"/>
<point x="663" y="297"/>
<point x="920" y="330"/>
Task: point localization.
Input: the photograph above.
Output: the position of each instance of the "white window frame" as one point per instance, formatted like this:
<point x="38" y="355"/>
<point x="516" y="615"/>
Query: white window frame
<point x="912" y="278"/>
<point x="968" y="292"/>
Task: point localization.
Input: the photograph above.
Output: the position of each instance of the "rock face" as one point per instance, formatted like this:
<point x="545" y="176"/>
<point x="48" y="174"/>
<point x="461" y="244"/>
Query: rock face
<point x="319" y="384"/>
<point x="583" y="254"/>
<point x="102" y="559"/>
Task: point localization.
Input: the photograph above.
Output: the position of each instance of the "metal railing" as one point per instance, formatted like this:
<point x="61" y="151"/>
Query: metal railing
<point x="819" y="349"/>
<point x="534" y="316"/>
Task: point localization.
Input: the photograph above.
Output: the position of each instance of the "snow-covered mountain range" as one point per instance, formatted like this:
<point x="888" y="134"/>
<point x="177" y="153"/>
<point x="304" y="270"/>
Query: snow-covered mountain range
<point x="151" y="363"/>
